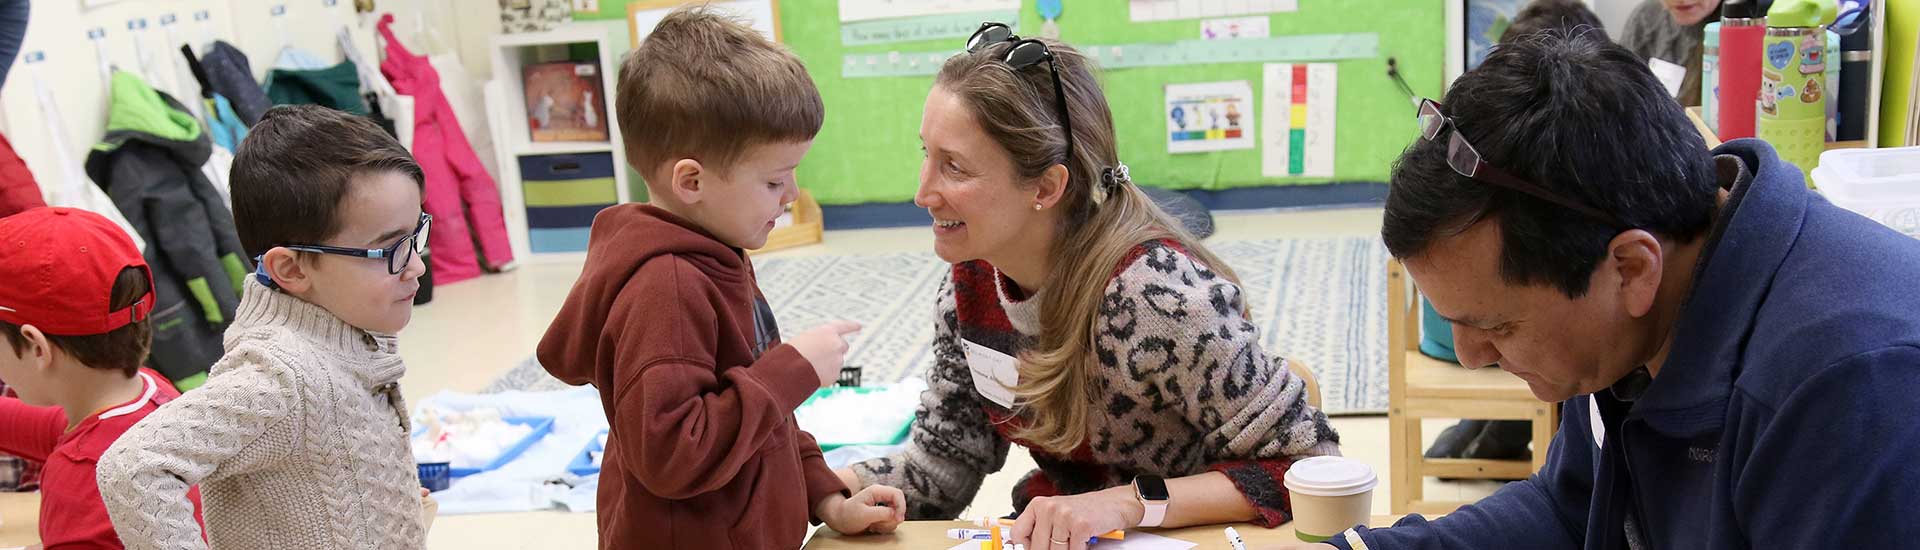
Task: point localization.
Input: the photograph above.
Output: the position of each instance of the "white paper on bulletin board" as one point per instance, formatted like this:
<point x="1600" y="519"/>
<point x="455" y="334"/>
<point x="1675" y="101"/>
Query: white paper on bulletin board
<point x="1233" y="28"/>
<point x="1212" y="116"/>
<point x="1297" y="135"/>
<point x="1166" y="10"/>
<point x="642" y="17"/>
<point x="862" y="10"/>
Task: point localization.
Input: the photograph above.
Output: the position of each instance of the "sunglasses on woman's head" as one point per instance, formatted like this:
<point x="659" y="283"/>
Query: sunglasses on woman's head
<point x="1466" y="161"/>
<point x="1025" y="53"/>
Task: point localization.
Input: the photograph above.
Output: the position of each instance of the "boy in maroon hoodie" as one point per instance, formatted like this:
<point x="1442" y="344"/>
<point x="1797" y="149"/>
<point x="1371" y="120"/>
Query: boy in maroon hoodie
<point x="699" y="390"/>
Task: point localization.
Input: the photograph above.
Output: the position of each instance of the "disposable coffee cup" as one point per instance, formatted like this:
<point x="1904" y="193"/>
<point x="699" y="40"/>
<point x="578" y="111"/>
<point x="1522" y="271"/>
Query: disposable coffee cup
<point x="1330" y="495"/>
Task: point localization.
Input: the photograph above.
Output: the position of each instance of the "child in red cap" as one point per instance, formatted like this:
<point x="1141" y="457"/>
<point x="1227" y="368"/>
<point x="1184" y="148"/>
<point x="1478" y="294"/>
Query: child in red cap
<point x="74" y="313"/>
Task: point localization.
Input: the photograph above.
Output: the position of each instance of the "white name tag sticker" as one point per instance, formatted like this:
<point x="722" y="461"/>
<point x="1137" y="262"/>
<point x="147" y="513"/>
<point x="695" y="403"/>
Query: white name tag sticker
<point x="1670" y="75"/>
<point x="994" y="373"/>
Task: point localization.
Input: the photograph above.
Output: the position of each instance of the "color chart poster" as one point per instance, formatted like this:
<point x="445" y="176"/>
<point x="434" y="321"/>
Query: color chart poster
<point x="1298" y="132"/>
<point x="1212" y="116"/>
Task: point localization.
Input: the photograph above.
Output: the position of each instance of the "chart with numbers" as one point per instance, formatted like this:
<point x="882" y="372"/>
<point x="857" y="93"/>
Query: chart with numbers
<point x="1297" y="139"/>
<point x="1168" y="10"/>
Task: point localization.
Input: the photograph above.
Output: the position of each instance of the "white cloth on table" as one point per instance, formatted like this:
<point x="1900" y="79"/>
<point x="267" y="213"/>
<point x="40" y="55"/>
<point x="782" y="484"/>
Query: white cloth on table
<point x="524" y="484"/>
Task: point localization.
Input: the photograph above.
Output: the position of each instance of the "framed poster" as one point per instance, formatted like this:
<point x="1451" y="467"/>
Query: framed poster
<point x="1486" y="20"/>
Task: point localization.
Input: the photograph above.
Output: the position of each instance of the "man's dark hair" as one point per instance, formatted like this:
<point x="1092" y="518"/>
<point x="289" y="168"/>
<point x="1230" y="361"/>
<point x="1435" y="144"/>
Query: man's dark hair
<point x="294" y="167"/>
<point x="123" y="349"/>
<point x="1568" y="16"/>
<point x="1575" y="114"/>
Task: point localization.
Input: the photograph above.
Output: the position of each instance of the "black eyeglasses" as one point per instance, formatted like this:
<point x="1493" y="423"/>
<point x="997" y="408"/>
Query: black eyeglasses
<point x="1466" y="161"/>
<point x="1025" y="53"/>
<point x="397" y="256"/>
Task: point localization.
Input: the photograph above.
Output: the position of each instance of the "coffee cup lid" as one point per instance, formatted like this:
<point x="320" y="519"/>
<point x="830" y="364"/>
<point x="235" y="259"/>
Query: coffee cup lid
<point x="1330" y="476"/>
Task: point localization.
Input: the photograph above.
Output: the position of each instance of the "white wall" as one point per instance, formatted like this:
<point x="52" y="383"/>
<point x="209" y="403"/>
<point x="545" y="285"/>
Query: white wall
<point x="58" y="29"/>
<point x="1613" y="13"/>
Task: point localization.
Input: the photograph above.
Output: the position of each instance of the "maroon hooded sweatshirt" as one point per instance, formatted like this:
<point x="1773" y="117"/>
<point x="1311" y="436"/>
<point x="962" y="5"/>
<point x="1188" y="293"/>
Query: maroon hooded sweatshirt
<point x="703" y="450"/>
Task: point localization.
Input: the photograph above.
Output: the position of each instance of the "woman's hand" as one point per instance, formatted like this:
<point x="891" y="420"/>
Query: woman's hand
<point x="1065" y="523"/>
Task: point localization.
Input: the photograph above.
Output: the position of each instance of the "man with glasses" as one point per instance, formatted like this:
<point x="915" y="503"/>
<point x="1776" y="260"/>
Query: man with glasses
<point x="1738" y="358"/>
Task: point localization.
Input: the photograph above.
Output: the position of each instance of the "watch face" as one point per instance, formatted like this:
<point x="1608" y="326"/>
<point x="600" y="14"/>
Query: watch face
<point x="1151" y="488"/>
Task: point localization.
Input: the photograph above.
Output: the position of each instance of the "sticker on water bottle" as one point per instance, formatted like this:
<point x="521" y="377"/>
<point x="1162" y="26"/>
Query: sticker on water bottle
<point x="1779" y="54"/>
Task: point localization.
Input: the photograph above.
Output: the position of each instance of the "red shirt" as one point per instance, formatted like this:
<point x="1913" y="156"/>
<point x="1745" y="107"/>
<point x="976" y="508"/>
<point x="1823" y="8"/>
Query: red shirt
<point x="72" y="515"/>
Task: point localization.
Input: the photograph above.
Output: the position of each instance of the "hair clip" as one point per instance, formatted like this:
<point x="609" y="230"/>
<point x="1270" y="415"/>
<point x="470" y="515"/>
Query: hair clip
<point x="1115" y="176"/>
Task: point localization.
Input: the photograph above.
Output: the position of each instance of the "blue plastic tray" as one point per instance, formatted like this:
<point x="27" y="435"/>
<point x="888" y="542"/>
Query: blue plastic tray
<point x="582" y="464"/>
<point x="542" y="425"/>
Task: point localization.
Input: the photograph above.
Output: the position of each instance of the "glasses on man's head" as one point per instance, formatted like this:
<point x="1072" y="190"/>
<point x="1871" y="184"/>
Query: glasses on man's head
<point x="397" y="256"/>
<point x="1025" y="53"/>
<point x="1466" y="161"/>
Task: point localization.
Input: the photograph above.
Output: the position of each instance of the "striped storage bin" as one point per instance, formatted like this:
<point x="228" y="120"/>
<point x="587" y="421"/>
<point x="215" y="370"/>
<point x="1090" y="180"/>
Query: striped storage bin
<point x="563" y="192"/>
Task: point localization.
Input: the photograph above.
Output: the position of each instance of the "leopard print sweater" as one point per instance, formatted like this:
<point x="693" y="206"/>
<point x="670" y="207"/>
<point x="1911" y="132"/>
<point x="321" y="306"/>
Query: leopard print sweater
<point x="1184" y="388"/>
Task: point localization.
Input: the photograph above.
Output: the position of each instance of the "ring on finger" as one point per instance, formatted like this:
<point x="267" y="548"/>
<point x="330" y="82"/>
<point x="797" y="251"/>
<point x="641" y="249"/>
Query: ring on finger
<point x="1060" y="542"/>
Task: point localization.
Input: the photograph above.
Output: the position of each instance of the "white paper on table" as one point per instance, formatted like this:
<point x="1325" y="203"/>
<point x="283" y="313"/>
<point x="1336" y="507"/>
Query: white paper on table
<point x="1145" y="541"/>
<point x="1235" y="27"/>
<point x="862" y="10"/>
<point x="1318" y="126"/>
<point x="1211" y="116"/>
<point x="1135" y="541"/>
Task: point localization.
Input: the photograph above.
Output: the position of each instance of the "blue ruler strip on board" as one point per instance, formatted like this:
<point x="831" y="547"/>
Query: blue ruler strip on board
<point x="1314" y="47"/>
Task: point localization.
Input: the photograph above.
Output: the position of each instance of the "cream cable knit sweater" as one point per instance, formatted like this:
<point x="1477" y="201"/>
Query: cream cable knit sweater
<point x="297" y="440"/>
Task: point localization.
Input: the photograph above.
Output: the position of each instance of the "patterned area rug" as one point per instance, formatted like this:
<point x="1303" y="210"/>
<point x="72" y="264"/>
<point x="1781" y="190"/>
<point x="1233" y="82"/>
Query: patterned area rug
<point x="1320" y="301"/>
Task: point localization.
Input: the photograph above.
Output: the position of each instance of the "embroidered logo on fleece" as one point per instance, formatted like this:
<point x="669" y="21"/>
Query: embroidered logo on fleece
<point x="1701" y="454"/>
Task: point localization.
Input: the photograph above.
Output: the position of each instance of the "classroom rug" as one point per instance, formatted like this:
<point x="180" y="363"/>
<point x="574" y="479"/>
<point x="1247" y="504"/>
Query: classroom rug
<point x="1321" y="301"/>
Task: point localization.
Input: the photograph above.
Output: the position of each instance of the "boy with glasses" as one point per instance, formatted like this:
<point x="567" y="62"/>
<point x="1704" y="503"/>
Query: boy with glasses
<point x="299" y="437"/>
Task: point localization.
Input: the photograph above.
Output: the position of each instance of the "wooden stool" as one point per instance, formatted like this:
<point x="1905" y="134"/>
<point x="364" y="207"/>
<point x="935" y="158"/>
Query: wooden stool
<point x="1423" y="387"/>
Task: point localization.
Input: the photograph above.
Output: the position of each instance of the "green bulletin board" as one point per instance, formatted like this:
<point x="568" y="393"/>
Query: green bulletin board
<point x="868" y="151"/>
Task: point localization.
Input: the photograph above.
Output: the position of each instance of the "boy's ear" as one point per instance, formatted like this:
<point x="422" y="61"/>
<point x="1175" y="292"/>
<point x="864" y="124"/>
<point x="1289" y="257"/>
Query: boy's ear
<point x="38" y="350"/>
<point x="685" y="180"/>
<point x="284" y="267"/>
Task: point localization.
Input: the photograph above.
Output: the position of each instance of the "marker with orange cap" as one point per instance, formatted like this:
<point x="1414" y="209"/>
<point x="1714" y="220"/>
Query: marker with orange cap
<point x="1117" y="534"/>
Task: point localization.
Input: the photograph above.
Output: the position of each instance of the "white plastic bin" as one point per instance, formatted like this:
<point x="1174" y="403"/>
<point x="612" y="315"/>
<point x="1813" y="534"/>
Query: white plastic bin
<point x="1859" y="179"/>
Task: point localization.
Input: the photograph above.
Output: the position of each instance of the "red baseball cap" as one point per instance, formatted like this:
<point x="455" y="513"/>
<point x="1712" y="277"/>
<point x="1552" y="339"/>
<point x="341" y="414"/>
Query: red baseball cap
<point x="59" y="265"/>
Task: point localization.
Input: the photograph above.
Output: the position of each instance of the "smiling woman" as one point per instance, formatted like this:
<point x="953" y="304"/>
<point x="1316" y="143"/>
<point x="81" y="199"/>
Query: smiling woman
<point x="1082" y="322"/>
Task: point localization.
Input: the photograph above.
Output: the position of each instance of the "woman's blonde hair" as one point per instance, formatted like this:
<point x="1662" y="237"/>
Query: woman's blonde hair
<point x="1104" y="217"/>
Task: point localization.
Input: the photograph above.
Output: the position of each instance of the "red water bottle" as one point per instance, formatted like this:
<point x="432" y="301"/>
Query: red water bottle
<point x="1742" y="29"/>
